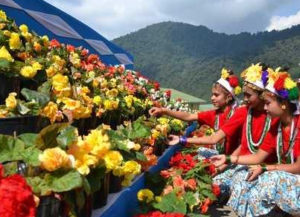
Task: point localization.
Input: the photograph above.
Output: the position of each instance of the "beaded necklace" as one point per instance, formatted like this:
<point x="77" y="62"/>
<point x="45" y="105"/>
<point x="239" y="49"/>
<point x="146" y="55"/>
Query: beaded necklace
<point x="221" y="146"/>
<point x="279" y="144"/>
<point x="253" y="146"/>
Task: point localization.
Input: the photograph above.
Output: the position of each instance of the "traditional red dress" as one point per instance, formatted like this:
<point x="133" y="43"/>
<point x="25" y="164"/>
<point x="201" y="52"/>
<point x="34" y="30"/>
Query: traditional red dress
<point x="216" y="119"/>
<point x="254" y="129"/>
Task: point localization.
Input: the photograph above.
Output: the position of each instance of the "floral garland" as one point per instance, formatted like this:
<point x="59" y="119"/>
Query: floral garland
<point x="251" y="144"/>
<point x="279" y="144"/>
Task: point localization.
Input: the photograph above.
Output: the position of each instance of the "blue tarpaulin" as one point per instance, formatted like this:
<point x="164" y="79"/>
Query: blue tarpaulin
<point x="45" y="19"/>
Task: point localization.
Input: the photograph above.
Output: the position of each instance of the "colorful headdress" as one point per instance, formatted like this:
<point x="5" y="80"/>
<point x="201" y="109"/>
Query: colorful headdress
<point x="254" y="75"/>
<point x="230" y="82"/>
<point x="281" y="84"/>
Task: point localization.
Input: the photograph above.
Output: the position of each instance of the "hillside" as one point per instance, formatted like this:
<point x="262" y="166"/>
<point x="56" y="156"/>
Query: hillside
<point x="189" y="58"/>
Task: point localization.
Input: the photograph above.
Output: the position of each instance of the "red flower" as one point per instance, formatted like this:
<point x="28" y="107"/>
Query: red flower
<point x="168" y="93"/>
<point x="84" y="52"/>
<point x="156" y="85"/>
<point x="191" y="184"/>
<point x="70" y="48"/>
<point x="212" y="169"/>
<point x="216" y="190"/>
<point x="16" y="197"/>
<point x="54" y="43"/>
<point x="204" y="209"/>
<point x="233" y="81"/>
<point x="279" y="84"/>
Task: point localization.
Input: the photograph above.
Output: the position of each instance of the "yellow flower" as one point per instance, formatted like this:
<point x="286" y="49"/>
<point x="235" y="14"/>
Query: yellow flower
<point x="54" y="158"/>
<point x="2" y="25"/>
<point x="131" y="168"/>
<point x="84" y="162"/>
<point x="137" y="147"/>
<point x="97" y="100"/>
<point x="6" y="33"/>
<point x="51" y="71"/>
<point x="3" y="15"/>
<point x="51" y="111"/>
<point x="129" y="100"/>
<point x="104" y="83"/>
<point x="289" y="83"/>
<point x="177" y="122"/>
<point x="45" y="38"/>
<point x="224" y="73"/>
<point x="252" y="73"/>
<point x="37" y="66"/>
<point x="155" y="133"/>
<point x="28" y="72"/>
<point x="98" y="142"/>
<point x="111" y="104"/>
<point x="3" y="113"/>
<point x="61" y="85"/>
<point x="112" y="160"/>
<point x="5" y="54"/>
<point x="145" y="195"/>
<point x="75" y="59"/>
<point x="112" y="93"/>
<point x="11" y="101"/>
<point x="158" y="199"/>
<point x="163" y="120"/>
<point x="23" y="28"/>
<point x="95" y="83"/>
<point x="14" y="41"/>
<point x="237" y="90"/>
<point x="113" y="82"/>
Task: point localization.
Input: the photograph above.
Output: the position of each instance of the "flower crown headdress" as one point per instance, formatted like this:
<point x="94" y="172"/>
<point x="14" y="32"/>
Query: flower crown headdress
<point x="230" y="82"/>
<point x="281" y="84"/>
<point x="253" y="75"/>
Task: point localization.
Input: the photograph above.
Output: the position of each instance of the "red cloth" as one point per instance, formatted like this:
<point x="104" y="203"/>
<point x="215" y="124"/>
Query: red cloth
<point x="209" y="117"/>
<point x="238" y="120"/>
<point x="271" y="145"/>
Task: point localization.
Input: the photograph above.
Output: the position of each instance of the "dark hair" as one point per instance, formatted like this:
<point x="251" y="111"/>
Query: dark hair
<point x="292" y="106"/>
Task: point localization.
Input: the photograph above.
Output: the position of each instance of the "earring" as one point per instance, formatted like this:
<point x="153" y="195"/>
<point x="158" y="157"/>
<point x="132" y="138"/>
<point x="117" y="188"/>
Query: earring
<point x="283" y="107"/>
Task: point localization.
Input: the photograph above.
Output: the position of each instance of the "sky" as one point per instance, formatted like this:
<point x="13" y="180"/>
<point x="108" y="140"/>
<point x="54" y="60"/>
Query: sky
<point x="115" y="18"/>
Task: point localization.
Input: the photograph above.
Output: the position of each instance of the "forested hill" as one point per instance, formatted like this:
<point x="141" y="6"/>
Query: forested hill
<point x="189" y="58"/>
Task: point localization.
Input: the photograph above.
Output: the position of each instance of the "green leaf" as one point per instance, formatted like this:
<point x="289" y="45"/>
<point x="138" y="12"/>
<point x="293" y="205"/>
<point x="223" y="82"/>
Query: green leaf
<point x="140" y="156"/>
<point x="170" y="203"/>
<point x="47" y="136"/>
<point x="4" y="65"/>
<point x="189" y="198"/>
<point x="29" y="139"/>
<point x="41" y="98"/>
<point x="10" y="148"/>
<point x="31" y="156"/>
<point x="45" y="88"/>
<point x="67" y="136"/>
<point x="139" y="130"/>
<point x="22" y="108"/>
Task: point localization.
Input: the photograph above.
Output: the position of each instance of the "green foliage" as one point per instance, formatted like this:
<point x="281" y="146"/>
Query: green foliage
<point x="10" y="148"/>
<point x="67" y="136"/>
<point x="41" y="98"/>
<point x="193" y="56"/>
<point x="170" y="203"/>
<point x="58" y="181"/>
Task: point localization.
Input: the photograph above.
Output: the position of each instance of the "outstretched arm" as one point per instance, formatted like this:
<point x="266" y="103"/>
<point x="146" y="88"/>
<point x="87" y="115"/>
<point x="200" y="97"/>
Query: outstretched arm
<point x="184" y="116"/>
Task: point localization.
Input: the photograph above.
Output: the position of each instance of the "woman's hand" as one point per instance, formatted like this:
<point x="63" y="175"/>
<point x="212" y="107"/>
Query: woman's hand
<point x="218" y="160"/>
<point x="155" y="111"/>
<point x="173" y="140"/>
<point x="254" y="172"/>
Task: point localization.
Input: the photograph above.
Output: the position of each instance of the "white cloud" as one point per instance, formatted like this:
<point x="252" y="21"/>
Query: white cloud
<point x="281" y="22"/>
<point x="115" y="18"/>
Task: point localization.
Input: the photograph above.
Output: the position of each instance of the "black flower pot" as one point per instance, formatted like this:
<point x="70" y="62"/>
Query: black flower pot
<point x="100" y="197"/>
<point x="50" y="207"/>
<point x="115" y="184"/>
<point x="19" y="125"/>
<point x="8" y="85"/>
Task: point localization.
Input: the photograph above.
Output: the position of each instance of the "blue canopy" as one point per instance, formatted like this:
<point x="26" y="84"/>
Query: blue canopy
<point x="46" y="19"/>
